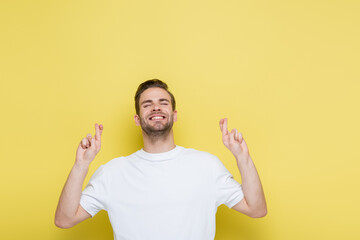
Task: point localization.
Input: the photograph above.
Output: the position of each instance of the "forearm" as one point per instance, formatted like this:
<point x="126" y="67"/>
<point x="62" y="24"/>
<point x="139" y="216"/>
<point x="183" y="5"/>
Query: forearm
<point x="251" y="185"/>
<point x="71" y="193"/>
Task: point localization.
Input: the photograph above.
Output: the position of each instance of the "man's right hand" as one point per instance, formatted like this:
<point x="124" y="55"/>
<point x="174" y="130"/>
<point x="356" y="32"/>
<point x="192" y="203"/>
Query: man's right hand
<point x="69" y="212"/>
<point x="89" y="146"/>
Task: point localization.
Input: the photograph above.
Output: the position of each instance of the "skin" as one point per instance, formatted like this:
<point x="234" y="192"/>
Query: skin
<point x="157" y="137"/>
<point x="69" y="211"/>
<point x="253" y="204"/>
<point x="156" y="102"/>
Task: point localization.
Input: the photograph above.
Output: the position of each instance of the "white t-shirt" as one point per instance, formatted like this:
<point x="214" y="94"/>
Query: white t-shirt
<point x="163" y="196"/>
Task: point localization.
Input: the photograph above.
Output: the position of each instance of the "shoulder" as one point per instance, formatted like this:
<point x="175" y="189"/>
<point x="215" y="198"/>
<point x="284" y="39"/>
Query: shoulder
<point x="115" y="161"/>
<point x="206" y="157"/>
<point x="111" y="169"/>
<point x="115" y="164"/>
<point x="118" y="163"/>
<point x="200" y="155"/>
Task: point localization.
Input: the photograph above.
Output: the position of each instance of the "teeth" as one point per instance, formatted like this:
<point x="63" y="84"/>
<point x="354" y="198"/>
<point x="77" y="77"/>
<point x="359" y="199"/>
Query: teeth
<point x="154" y="118"/>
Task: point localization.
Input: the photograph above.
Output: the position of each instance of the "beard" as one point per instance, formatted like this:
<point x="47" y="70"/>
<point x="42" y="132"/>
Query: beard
<point x="159" y="128"/>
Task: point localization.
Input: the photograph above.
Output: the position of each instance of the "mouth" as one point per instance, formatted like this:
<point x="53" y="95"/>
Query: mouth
<point x="157" y="117"/>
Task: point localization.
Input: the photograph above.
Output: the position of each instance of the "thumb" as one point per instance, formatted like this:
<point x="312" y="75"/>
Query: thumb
<point x="80" y="151"/>
<point x="244" y="145"/>
<point x="92" y="143"/>
<point x="232" y="135"/>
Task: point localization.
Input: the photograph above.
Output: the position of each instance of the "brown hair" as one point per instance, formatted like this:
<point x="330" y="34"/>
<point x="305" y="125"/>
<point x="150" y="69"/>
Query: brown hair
<point x="152" y="84"/>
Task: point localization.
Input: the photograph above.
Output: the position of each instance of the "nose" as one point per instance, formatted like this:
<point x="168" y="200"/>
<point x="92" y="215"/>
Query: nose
<point x="156" y="108"/>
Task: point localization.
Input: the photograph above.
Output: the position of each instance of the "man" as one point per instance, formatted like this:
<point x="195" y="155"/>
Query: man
<point x="162" y="191"/>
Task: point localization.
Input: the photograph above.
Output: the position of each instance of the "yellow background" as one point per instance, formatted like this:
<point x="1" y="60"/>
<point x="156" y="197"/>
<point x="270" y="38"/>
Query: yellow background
<point x="285" y="73"/>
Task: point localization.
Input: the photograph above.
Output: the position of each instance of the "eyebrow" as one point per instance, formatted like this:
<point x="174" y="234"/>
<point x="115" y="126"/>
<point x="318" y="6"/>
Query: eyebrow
<point x="150" y="101"/>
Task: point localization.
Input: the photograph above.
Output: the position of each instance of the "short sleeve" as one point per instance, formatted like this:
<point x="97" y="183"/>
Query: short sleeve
<point x="227" y="190"/>
<point x="93" y="198"/>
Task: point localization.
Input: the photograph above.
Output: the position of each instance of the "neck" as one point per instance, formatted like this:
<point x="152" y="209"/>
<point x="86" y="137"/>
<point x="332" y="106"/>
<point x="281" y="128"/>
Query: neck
<point x="159" y="144"/>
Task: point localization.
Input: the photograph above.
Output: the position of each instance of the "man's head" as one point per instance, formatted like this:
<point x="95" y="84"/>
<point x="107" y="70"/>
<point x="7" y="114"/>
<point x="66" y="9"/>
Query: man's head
<point x="155" y="108"/>
<point x="153" y="83"/>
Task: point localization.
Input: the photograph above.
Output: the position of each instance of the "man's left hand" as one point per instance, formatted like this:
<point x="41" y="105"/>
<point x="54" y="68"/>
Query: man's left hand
<point x="234" y="141"/>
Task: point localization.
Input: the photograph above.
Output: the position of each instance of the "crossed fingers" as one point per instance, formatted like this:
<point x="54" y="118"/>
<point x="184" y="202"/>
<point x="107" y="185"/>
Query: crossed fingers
<point x="234" y="134"/>
<point x="90" y="141"/>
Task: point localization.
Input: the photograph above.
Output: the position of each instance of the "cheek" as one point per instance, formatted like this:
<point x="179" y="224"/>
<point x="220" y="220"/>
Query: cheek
<point x="144" y="116"/>
<point x="142" y="113"/>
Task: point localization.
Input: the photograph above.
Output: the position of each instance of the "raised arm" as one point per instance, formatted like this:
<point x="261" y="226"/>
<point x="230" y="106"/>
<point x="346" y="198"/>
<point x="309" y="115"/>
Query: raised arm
<point x="69" y="212"/>
<point x="253" y="204"/>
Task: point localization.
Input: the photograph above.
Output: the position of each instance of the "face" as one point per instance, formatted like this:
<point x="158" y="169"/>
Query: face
<point x="156" y="116"/>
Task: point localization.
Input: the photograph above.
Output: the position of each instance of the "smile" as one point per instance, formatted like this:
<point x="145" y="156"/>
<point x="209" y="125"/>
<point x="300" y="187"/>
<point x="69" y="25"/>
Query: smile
<point x="157" y="117"/>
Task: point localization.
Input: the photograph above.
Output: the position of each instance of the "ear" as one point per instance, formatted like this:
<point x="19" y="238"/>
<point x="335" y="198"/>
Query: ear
<point x="137" y="120"/>
<point x="175" y="115"/>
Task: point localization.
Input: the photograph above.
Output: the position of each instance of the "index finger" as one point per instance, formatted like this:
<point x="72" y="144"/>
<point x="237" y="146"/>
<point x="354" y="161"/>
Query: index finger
<point x="98" y="131"/>
<point x="223" y="126"/>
